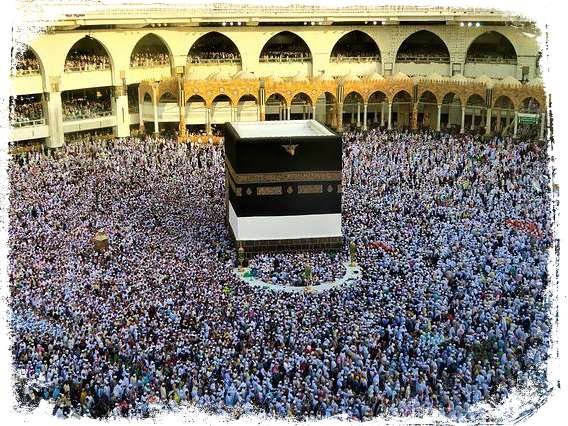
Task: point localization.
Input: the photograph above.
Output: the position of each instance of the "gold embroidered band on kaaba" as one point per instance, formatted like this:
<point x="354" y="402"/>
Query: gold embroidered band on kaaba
<point x="281" y="177"/>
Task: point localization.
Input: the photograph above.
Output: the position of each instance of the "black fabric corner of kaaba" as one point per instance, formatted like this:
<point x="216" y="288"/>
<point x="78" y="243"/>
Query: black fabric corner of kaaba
<point x="285" y="205"/>
<point x="311" y="154"/>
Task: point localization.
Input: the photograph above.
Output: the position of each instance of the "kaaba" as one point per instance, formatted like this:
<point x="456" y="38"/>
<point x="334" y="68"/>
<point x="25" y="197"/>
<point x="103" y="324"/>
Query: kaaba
<point x="283" y="185"/>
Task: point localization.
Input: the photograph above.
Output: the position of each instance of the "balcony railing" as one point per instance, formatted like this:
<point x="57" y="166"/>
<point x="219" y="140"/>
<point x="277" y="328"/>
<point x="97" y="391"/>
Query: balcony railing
<point x="27" y="123"/>
<point x="22" y="72"/>
<point x="423" y="59"/>
<point x="286" y="59"/>
<point x="491" y="60"/>
<point x="150" y="64"/>
<point x="87" y="67"/>
<point x="340" y="59"/>
<point x="86" y="116"/>
<point x="208" y="61"/>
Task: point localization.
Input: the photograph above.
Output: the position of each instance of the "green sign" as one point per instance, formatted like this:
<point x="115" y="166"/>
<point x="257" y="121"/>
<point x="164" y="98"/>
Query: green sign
<point x="528" y="118"/>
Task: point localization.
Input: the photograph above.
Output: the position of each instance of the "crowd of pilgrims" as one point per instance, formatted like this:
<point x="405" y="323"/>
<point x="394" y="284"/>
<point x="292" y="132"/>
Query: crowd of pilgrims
<point x="289" y="269"/>
<point x="451" y="309"/>
<point x="26" y="112"/>
<point x="80" y="108"/>
<point x="207" y="56"/>
<point x="85" y="61"/>
<point x="149" y="58"/>
<point x="278" y="54"/>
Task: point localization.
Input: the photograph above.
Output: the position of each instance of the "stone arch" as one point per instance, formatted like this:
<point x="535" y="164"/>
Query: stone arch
<point x="427" y="97"/>
<point x="427" y="109"/>
<point x="301" y="107"/>
<point x="475" y="113"/>
<point x="376" y="108"/>
<point x="88" y="45"/>
<point x="275" y="107"/>
<point x="450" y="114"/>
<point x="378" y="96"/>
<point x="194" y="99"/>
<point x="502" y="114"/>
<point x="353" y="108"/>
<point x="481" y="46"/>
<point x="245" y="109"/>
<point x="248" y="97"/>
<point x="411" y="48"/>
<point x="296" y="45"/>
<point x="145" y="42"/>
<point x="147" y="97"/>
<point x="504" y="102"/>
<point x="530" y="105"/>
<point x="26" y="52"/>
<point x="402" y="107"/>
<point x="222" y="97"/>
<point x="227" y="50"/>
<point x="167" y="97"/>
<point x="301" y="96"/>
<point x="356" y="43"/>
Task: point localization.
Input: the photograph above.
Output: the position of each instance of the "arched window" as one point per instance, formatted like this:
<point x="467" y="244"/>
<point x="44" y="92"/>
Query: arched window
<point x="285" y="47"/>
<point x="87" y="54"/>
<point x="423" y="47"/>
<point x="492" y="48"/>
<point x="24" y="60"/>
<point x="355" y="46"/>
<point x="150" y="51"/>
<point x="213" y="47"/>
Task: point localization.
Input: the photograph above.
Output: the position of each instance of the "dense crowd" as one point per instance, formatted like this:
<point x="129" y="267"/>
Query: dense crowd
<point x="486" y="55"/>
<point x="80" y="109"/>
<point x="423" y="55"/>
<point x="289" y="269"/>
<point x="450" y="311"/>
<point x="26" y="113"/>
<point x="212" y="56"/>
<point x="355" y="56"/>
<point x="27" y="65"/>
<point x="81" y="61"/>
<point x="149" y="58"/>
<point x="284" y="55"/>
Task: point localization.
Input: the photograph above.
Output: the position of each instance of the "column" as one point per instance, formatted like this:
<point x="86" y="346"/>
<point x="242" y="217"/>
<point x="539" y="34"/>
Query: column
<point x="182" y="133"/>
<point x="462" y="129"/>
<point x="472" y="120"/>
<point x="376" y="117"/>
<point x="415" y="116"/>
<point x="261" y="112"/>
<point x="487" y="121"/>
<point x="515" y="125"/>
<point x="314" y="110"/>
<point x="141" y="126"/>
<point x="155" y="107"/>
<point x="54" y="115"/>
<point x="439" y="119"/>
<point x="507" y="119"/>
<point x="389" y="127"/>
<point x="498" y="124"/>
<point x="542" y="124"/>
<point x="208" y="121"/>
<point x="365" y="116"/>
<point x="358" y="115"/>
<point x="383" y="114"/>
<point x="289" y="109"/>
<point x="119" y="104"/>
<point x="340" y="116"/>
